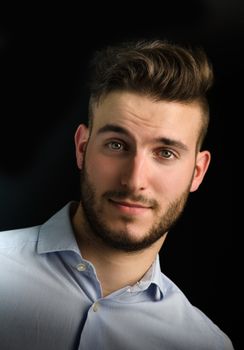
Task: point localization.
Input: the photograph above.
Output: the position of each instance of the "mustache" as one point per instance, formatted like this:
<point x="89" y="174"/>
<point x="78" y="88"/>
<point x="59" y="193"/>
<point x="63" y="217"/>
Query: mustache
<point x="125" y="194"/>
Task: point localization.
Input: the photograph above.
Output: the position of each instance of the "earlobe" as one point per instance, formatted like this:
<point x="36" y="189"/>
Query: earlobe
<point x="201" y="167"/>
<point x="81" y="138"/>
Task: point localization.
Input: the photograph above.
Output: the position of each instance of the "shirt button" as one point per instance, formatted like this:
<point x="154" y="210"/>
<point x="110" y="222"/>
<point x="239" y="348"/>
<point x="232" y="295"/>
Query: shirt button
<point x="81" y="267"/>
<point x="95" y="306"/>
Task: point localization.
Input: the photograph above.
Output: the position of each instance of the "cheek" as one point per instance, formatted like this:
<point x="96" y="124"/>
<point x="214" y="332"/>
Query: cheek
<point x="170" y="183"/>
<point x="102" y="171"/>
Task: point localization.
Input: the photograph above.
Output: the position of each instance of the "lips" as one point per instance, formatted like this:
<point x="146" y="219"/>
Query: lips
<point x="129" y="204"/>
<point x="129" y="208"/>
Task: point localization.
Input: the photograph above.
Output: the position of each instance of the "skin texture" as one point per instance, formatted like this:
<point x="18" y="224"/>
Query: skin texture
<point x="138" y="165"/>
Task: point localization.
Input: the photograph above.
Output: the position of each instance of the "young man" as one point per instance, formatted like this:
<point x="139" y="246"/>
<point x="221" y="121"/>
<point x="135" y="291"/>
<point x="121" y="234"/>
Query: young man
<point x="90" y="278"/>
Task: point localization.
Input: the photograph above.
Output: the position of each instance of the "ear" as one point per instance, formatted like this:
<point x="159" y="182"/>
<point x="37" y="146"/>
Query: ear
<point x="202" y="163"/>
<point x="81" y="138"/>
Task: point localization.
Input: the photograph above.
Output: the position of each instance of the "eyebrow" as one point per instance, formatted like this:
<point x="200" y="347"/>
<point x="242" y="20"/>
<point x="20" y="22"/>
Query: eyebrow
<point x="119" y="129"/>
<point x="114" y="128"/>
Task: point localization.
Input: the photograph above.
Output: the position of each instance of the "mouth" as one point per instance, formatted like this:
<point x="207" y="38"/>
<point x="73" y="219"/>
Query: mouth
<point x="128" y="207"/>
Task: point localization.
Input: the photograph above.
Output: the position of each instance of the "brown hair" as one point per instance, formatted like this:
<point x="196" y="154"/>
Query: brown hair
<point x="158" y="69"/>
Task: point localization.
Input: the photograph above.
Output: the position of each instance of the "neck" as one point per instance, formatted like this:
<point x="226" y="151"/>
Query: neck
<point x="115" y="269"/>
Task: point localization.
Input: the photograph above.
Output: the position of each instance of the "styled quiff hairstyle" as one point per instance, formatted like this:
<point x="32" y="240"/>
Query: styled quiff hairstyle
<point x="158" y="69"/>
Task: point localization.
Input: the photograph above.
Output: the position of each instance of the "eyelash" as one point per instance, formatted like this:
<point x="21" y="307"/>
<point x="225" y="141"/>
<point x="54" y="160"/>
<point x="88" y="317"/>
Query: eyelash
<point x="124" y="148"/>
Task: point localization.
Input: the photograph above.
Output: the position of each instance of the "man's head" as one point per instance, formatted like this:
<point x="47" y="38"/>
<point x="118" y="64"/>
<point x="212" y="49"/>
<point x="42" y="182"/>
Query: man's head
<point x="158" y="69"/>
<point x="140" y="157"/>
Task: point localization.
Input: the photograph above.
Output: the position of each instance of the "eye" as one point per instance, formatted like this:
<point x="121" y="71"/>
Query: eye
<point x="165" y="153"/>
<point x="115" y="146"/>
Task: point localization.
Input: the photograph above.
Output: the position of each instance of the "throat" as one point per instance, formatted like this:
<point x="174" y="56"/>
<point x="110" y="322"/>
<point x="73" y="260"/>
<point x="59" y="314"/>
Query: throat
<point x="115" y="269"/>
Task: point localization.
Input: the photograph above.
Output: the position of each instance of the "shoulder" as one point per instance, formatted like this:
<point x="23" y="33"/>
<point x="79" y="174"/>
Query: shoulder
<point x="190" y="319"/>
<point x="182" y="306"/>
<point x="18" y="237"/>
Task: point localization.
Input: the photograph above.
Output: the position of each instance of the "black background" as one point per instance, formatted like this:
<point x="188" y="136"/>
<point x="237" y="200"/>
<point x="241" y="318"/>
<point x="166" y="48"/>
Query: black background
<point x="44" y="55"/>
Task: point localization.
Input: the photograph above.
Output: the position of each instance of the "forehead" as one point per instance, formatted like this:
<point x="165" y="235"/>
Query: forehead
<point x="144" y="117"/>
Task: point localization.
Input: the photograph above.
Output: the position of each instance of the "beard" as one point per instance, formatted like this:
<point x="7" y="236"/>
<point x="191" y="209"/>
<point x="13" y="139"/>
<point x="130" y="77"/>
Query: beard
<point x="123" y="240"/>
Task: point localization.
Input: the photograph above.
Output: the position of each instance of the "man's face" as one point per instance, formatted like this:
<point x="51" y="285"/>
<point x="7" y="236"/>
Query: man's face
<point x="138" y="167"/>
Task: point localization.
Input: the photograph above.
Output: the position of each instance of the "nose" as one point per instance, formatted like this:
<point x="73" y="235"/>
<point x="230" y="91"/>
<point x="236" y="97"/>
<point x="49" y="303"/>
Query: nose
<point x="134" y="174"/>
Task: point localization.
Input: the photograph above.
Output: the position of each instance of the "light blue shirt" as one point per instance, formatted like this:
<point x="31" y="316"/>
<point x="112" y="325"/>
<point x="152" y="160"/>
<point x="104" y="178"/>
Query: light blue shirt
<point x="50" y="299"/>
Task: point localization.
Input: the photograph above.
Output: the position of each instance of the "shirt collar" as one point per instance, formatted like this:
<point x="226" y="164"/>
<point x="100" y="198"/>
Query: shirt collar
<point x="57" y="233"/>
<point x="152" y="278"/>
